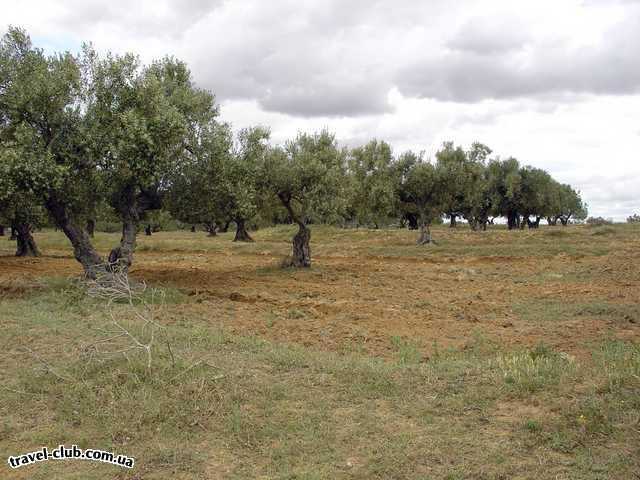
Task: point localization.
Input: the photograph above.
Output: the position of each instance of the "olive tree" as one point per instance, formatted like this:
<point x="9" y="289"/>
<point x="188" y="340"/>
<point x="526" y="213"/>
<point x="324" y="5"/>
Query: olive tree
<point x="42" y="125"/>
<point x="371" y="189"/>
<point x="504" y="184"/>
<point x="424" y="188"/>
<point x="196" y="193"/>
<point x="144" y="121"/>
<point x="20" y="210"/>
<point x="218" y="183"/>
<point x="452" y="165"/>
<point x="534" y="196"/>
<point x="464" y="183"/>
<point x="240" y="178"/>
<point x="405" y="210"/>
<point x="87" y="127"/>
<point x="567" y="205"/>
<point x="305" y="175"/>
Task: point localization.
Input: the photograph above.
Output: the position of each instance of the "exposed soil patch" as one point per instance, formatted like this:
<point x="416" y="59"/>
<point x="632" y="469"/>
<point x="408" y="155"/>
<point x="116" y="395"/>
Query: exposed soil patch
<point x="358" y="300"/>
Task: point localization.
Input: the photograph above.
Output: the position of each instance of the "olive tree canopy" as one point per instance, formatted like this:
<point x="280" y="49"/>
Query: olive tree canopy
<point x="306" y="176"/>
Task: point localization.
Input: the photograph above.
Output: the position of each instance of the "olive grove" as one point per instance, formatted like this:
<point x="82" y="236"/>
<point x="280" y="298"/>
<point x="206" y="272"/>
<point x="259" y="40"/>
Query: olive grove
<point x="87" y="136"/>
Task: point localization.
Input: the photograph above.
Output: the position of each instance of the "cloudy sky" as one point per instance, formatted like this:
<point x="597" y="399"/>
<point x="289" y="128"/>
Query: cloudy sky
<point x="554" y="83"/>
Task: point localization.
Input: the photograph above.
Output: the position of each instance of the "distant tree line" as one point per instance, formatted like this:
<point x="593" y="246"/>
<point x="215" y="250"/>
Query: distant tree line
<point x="598" y="221"/>
<point x="87" y="137"/>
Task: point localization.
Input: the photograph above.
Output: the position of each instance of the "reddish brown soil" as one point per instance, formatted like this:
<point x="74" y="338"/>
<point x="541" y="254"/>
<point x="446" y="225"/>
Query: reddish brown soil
<point x="361" y="302"/>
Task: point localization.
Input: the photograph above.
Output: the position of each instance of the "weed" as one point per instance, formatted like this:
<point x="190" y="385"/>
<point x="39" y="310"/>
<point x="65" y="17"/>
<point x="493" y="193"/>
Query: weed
<point x="529" y="372"/>
<point x="533" y="426"/>
<point x="408" y="351"/>
<point x="619" y="363"/>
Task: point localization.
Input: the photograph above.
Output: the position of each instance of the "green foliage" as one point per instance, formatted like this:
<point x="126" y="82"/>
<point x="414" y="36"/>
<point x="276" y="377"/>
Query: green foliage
<point x="81" y="131"/>
<point x="16" y="206"/>
<point x="87" y="133"/>
<point x="43" y="140"/>
<point x="143" y="120"/>
<point x="370" y="184"/>
<point x="454" y="170"/>
<point x="423" y="189"/>
<point x="504" y="187"/>
<point x="566" y="203"/>
<point x="534" y="193"/>
<point x="219" y="183"/>
<point x="306" y="175"/>
<point x="465" y="187"/>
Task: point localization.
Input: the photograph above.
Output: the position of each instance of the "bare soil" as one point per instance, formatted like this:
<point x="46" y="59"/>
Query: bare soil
<point x="520" y="289"/>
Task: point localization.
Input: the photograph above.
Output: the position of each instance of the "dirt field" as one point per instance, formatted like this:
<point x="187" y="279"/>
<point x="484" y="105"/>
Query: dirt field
<point x="493" y="356"/>
<point x="567" y="287"/>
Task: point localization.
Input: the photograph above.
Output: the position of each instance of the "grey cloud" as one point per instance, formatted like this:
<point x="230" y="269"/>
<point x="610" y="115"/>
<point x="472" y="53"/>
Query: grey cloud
<point x="318" y="61"/>
<point x="326" y="100"/>
<point x="337" y="58"/>
<point x="302" y="60"/>
<point x="161" y="18"/>
<point x="465" y="75"/>
<point x="487" y="36"/>
<point x="325" y="58"/>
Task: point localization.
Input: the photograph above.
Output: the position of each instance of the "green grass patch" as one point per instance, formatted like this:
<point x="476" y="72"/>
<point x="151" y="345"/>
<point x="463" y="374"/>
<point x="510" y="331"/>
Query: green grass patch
<point x="530" y="371"/>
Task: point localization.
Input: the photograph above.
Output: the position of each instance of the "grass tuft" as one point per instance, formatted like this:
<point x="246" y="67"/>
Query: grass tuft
<point x="539" y="369"/>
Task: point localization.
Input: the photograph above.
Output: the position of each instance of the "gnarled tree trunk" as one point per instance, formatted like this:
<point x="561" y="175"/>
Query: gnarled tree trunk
<point x="241" y="231"/>
<point x="522" y="222"/>
<point x="147" y="230"/>
<point x="301" y="254"/>
<point x="453" y="222"/>
<point x="212" y="228"/>
<point x="425" y="234"/>
<point x="122" y="255"/>
<point x="482" y="220"/>
<point x="83" y="250"/>
<point x="526" y="220"/>
<point x="26" y="245"/>
<point x="412" y="218"/>
<point x="132" y="206"/>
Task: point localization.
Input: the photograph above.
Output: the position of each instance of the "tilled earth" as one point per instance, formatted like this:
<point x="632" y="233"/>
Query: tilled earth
<point x="371" y="291"/>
